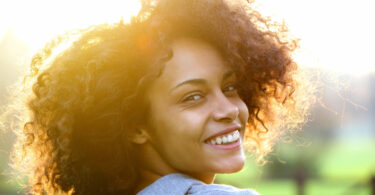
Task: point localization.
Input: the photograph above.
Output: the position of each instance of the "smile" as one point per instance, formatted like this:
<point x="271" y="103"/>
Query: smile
<point x="228" y="138"/>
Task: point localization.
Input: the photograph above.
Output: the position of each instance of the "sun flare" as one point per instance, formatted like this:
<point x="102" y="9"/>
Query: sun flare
<point x="335" y="35"/>
<point x="37" y="21"/>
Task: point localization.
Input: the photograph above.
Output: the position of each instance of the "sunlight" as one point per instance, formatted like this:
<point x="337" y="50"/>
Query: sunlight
<point x="335" y="35"/>
<point x="37" y="21"/>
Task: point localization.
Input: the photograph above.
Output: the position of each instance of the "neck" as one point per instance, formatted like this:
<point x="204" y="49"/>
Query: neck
<point x="152" y="167"/>
<point x="147" y="177"/>
<point x="207" y="178"/>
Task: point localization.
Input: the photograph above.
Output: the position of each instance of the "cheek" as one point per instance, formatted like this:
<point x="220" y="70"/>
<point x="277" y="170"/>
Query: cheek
<point x="184" y="124"/>
<point x="177" y="138"/>
<point x="178" y="132"/>
<point x="171" y="127"/>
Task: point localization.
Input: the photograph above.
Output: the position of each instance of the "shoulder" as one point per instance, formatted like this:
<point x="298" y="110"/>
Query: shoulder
<point x="220" y="190"/>
<point x="182" y="184"/>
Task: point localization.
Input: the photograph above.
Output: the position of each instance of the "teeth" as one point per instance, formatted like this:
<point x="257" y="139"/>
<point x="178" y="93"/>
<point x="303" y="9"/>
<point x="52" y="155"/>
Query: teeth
<point x="236" y="135"/>
<point x="218" y="140"/>
<point x="229" y="138"/>
<point x="225" y="140"/>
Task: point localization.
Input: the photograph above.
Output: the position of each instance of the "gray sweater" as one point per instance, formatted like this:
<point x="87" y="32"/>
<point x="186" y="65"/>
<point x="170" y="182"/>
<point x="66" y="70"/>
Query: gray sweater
<point x="181" y="184"/>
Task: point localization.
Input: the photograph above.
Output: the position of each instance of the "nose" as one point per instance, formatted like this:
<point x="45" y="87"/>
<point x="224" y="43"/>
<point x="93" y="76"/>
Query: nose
<point x="224" y="110"/>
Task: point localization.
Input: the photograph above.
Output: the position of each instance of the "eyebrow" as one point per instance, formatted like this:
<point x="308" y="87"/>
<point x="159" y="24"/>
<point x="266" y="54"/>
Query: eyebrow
<point x="201" y="81"/>
<point x="192" y="82"/>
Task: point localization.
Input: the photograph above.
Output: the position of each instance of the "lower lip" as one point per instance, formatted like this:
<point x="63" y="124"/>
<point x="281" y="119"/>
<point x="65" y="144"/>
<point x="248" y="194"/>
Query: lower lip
<point x="230" y="146"/>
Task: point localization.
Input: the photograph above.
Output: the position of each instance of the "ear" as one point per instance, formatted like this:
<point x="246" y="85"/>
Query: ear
<point x="139" y="136"/>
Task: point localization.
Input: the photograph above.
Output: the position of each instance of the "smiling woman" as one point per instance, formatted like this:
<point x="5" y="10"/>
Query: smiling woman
<point x="159" y="105"/>
<point x="199" y="92"/>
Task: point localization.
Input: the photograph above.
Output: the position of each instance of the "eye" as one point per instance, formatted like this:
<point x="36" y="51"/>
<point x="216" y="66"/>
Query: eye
<point x="230" y="89"/>
<point x="192" y="98"/>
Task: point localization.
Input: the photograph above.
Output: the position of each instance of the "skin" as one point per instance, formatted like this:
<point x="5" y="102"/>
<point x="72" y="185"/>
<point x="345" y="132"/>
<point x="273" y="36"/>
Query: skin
<point x="193" y="99"/>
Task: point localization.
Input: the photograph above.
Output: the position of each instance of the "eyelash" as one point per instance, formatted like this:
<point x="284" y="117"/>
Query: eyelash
<point x="190" y="98"/>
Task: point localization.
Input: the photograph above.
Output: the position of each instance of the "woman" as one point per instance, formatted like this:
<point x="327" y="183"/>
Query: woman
<point x="159" y="105"/>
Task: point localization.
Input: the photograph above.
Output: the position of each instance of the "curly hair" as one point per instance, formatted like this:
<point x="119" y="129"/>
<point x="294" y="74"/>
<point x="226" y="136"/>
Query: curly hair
<point x="87" y="97"/>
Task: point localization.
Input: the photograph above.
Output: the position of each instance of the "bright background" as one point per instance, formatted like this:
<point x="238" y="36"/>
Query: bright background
<point x="335" y="152"/>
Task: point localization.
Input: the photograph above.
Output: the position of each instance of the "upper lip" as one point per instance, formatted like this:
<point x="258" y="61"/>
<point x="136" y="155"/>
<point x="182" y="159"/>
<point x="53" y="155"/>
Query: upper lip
<point x="225" y="131"/>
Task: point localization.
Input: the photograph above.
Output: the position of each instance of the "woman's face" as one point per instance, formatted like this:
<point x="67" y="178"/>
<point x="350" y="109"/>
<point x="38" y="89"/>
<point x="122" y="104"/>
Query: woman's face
<point x="195" y="108"/>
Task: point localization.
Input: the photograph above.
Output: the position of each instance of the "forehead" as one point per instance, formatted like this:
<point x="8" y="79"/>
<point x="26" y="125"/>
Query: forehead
<point x="193" y="59"/>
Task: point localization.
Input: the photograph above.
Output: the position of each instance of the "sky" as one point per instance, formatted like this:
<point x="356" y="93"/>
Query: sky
<point x="337" y="35"/>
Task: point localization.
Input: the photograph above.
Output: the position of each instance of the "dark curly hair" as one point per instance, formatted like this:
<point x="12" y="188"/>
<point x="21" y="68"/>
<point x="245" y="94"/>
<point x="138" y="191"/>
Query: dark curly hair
<point x="86" y="97"/>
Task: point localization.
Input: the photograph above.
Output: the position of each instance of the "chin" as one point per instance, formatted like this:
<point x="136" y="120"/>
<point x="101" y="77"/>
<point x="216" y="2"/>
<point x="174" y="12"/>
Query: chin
<point x="235" y="169"/>
<point x="231" y="166"/>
